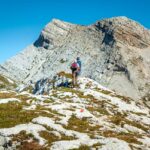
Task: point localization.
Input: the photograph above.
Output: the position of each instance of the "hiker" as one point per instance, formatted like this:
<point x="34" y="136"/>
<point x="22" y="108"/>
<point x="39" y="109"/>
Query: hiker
<point x="75" y="68"/>
<point x="79" y="63"/>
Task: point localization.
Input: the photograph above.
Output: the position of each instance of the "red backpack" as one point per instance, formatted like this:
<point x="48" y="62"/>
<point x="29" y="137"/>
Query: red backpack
<point x="74" y="65"/>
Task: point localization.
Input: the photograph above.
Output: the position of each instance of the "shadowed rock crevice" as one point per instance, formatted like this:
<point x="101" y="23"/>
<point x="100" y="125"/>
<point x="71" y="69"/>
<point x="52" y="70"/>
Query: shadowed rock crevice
<point x="107" y="31"/>
<point x="41" y="42"/>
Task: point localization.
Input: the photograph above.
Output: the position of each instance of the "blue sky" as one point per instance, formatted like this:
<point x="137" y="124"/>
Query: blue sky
<point x="22" y="20"/>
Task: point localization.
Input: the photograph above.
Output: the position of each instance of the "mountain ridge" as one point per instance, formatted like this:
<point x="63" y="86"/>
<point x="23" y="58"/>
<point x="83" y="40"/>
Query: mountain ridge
<point x="116" y="51"/>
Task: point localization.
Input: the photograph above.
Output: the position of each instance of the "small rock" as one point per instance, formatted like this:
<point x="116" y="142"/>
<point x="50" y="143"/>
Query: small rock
<point x="2" y="141"/>
<point x="1" y="147"/>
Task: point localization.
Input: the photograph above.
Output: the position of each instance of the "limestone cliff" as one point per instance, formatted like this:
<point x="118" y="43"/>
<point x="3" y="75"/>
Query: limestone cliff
<point x="115" y="52"/>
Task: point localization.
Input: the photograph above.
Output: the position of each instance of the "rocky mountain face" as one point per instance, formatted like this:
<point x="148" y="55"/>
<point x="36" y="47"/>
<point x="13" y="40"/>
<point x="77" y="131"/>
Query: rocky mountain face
<point x="115" y="52"/>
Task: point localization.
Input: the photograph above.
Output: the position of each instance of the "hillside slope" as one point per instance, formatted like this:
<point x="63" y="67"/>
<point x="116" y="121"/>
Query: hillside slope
<point x="90" y="116"/>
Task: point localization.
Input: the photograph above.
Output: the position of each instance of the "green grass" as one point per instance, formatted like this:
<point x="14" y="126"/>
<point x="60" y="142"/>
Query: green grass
<point x="22" y="136"/>
<point x="81" y="125"/>
<point x="54" y="112"/>
<point x="3" y="79"/>
<point x="128" y="137"/>
<point x="48" y="101"/>
<point x="50" y="137"/>
<point x="4" y="83"/>
<point x="98" y="109"/>
<point x="82" y="147"/>
<point x="29" y="89"/>
<point x="11" y="114"/>
<point x="27" y="142"/>
<point x="7" y="95"/>
<point x="75" y="91"/>
<point x="125" y="99"/>
<point x="103" y="91"/>
<point x="138" y="113"/>
<point x="67" y="75"/>
<point x="121" y="120"/>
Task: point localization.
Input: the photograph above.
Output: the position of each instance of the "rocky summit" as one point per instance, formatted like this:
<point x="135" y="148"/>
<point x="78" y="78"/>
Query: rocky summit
<point x="115" y="52"/>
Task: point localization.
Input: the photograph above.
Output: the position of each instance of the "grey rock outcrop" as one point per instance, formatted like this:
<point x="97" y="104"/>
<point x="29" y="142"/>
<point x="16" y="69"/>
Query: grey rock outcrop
<point x="44" y="85"/>
<point x="115" y="52"/>
<point x="5" y="143"/>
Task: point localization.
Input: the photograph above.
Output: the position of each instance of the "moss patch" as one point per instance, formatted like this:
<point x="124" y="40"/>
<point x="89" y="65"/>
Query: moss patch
<point x="103" y="91"/>
<point x="54" y="112"/>
<point x="4" y="83"/>
<point x="22" y="136"/>
<point x="81" y="125"/>
<point x="12" y="114"/>
<point x="75" y="91"/>
<point x="128" y="137"/>
<point x="82" y="147"/>
<point x="50" y="137"/>
<point x="23" y="142"/>
<point x="98" y="109"/>
<point x="67" y="75"/>
<point x="121" y="120"/>
<point x="7" y="95"/>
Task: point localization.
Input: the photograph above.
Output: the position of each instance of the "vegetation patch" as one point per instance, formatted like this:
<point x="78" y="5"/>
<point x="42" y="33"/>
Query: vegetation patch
<point x="117" y="120"/>
<point x="7" y="95"/>
<point x="4" y="83"/>
<point x="98" y="109"/>
<point x="24" y="97"/>
<point x="128" y="137"/>
<point x="40" y="108"/>
<point x="97" y="145"/>
<point x="12" y="114"/>
<point x="50" y="137"/>
<point x="138" y="113"/>
<point x="33" y="145"/>
<point x="137" y="125"/>
<point x="82" y="147"/>
<point x="81" y="125"/>
<point x="75" y="91"/>
<point x="23" y="136"/>
<point x="48" y="101"/>
<point x="26" y="142"/>
<point x="67" y="75"/>
<point x="103" y="91"/>
<point x="121" y="120"/>
<point x="125" y="99"/>
<point x="29" y="89"/>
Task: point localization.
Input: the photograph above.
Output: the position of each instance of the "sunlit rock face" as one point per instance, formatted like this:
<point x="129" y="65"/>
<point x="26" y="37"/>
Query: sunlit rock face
<point x="115" y="52"/>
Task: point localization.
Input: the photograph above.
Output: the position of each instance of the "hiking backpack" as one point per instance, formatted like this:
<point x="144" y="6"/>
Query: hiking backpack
<point x="74" y="65"/>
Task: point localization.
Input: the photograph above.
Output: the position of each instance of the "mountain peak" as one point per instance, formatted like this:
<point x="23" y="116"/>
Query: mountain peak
<point x="55" y="20"/>
<point x="125" y="30"/>
<point x="122" y="20"/>
<point x="114" y="52"/>
<point x="58" y="23"/>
